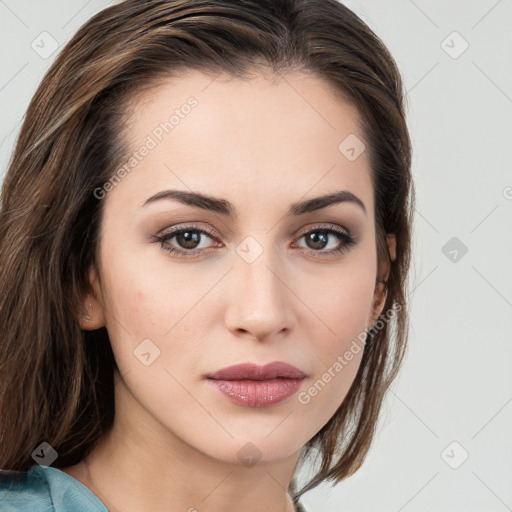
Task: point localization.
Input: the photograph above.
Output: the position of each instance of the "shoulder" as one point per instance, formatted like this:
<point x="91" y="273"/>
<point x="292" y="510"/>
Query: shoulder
<point x="24" y="490"/>
<point x="45" y="489"/>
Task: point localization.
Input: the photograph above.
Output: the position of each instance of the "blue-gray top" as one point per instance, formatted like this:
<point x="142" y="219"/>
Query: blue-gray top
<point x="45" y="489"/>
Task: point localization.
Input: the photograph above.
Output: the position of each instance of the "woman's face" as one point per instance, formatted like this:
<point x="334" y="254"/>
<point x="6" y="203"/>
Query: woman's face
<point x="250" y="281"/>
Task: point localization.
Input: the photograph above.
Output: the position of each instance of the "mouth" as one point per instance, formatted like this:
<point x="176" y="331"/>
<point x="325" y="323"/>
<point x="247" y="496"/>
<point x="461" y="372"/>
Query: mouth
<point x="251" y="371"/>
<point x="251" y="385"/>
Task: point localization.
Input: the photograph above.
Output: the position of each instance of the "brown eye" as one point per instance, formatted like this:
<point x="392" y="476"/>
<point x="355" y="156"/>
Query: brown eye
<point x="318" y="239"/>
<point x="188" y="239"/>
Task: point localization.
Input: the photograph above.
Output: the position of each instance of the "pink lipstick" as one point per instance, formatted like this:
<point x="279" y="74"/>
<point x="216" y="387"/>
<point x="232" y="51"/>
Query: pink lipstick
<point x="251" y="385"/>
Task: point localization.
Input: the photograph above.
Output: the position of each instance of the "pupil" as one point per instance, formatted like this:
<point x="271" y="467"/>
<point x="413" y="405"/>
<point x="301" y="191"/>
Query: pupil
<point x="188" y="240"/>
<point x="320" y="239"/>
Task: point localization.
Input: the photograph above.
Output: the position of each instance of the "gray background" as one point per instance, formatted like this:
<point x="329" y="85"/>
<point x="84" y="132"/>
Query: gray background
<point x="454" y="395"/>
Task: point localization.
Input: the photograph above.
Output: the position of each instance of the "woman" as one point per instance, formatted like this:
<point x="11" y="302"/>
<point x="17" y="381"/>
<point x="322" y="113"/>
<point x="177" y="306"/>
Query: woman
<point x="204" y="242"/>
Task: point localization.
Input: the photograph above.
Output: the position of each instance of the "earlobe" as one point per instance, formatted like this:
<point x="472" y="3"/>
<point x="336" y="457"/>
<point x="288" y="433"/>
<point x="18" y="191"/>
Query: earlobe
<point x="379" y="299"/>
<point x="92" y="316"/>
<point x="391" y="241"/>
<point x="381" y="283"/>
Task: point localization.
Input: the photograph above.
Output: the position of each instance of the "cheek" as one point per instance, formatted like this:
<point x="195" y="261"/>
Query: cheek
<point x="338" y="346"/>
<point x="341" y="314"/>
<point x="146" y="301"/>
<point x="341" y="304"/>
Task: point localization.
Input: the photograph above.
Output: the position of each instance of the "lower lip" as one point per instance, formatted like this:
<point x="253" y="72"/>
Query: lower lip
<point x="252" y="393"/>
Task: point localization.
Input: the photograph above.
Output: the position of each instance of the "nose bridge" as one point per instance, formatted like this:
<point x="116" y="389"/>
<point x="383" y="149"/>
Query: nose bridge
<point x="260" y="302"/>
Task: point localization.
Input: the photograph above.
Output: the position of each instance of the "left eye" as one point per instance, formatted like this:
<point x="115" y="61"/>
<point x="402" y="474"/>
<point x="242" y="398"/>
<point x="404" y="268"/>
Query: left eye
<point x="319" y="238"/>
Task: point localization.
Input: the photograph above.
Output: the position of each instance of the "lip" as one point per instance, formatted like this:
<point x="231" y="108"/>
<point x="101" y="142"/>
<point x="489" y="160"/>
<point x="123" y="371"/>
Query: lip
<point x="251" y="385"/>
<point x="244" y="371"/>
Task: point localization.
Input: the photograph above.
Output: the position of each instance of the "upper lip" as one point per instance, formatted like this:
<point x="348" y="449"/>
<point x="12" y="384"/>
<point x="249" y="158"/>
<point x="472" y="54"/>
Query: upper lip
<point x="252" y="371"/>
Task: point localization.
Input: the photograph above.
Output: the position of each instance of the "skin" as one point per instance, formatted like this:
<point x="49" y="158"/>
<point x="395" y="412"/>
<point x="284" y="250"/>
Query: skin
<point x="262" y="144"/>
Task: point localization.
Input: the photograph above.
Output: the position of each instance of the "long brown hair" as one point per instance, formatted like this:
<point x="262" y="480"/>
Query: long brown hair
<point x="57" y="379"/>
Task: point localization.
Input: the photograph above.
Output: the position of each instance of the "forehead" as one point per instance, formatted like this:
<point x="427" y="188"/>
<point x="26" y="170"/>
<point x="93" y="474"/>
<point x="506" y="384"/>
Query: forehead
<point x="268" y="134"/>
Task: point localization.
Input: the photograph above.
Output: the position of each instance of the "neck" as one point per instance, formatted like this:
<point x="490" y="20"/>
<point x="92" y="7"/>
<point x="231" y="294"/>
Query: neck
<point x="139" y="465"/>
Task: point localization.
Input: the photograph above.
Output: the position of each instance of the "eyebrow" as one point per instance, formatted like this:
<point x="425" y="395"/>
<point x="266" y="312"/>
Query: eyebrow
<point x="226" y="208"/>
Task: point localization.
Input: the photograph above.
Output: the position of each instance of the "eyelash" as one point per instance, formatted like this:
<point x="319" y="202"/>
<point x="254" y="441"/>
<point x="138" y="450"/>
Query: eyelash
<point x="344" y="236"/>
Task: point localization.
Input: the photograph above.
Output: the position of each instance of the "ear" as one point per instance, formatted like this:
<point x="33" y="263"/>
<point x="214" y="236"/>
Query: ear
<point x="380" y="292"/>
<point x="391" y="240"/>
<point x="93" y="316"/>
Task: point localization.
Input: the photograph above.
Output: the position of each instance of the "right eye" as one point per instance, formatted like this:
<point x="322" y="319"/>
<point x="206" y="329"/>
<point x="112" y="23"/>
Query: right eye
<point x="188" y="239"/>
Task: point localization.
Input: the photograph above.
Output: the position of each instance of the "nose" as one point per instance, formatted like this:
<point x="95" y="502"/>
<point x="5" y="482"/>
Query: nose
<point x="260" y="299"/>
